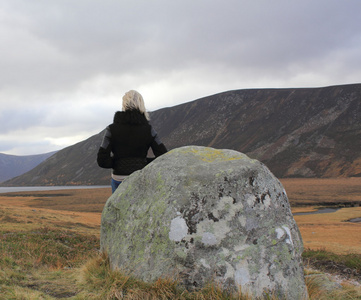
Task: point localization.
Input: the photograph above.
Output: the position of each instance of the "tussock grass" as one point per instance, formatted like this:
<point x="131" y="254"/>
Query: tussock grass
<point x="101" y="282"/>
<point x="318" y="289"/>
<point x="51" y="254"/>
<point x="352" y="260"/>
<point x="51" y="247"/>
<point x="40" y="264"/>
<point x="55" y="263"/>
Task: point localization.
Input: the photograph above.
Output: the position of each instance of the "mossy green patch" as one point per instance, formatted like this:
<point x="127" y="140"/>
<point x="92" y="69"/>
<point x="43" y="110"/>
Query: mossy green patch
<point x="138" y="227"/>
<point x="211" y="155"/>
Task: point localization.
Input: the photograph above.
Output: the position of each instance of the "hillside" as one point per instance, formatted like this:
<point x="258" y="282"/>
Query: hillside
<point x="309" y="132"/>
<point x="13" y="165"/>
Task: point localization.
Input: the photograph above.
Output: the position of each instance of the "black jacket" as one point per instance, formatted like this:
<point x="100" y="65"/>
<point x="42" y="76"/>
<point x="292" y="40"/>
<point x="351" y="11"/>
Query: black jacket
<point x="126" y="143"/>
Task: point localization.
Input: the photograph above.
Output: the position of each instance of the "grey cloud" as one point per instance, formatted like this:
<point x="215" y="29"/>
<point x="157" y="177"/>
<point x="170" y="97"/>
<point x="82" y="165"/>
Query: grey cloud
<point x="21" y="147"/>
<point x="14" y="119"/>
<point x="59" y="54"/>
<point x="89" y="37"/>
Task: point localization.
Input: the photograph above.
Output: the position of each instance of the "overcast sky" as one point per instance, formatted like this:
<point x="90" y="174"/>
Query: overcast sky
<point x="65" y="64"/>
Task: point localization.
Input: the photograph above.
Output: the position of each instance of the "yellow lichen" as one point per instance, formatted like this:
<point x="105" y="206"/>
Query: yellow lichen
<point x="211" y="154"/>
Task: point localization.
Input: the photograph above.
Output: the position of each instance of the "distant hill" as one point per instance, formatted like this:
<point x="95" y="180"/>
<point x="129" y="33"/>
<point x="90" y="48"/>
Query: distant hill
<point x="74" y="165"/>
<point x="308" y="132"/>
<point x="13" y="165"/>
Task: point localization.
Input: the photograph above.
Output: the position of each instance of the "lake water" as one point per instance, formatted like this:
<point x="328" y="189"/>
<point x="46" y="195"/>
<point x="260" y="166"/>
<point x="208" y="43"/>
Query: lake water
<point x="325" y="210"/>
<point x="48" y="188"/>
<point x="356" y="220"/>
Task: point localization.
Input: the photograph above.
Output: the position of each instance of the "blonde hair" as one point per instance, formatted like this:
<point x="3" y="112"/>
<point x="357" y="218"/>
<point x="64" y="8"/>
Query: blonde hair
<point x="134" y="100"/>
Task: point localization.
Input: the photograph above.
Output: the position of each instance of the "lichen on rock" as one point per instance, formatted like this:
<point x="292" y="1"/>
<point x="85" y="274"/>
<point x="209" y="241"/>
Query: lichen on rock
<point x="203" y="214"/>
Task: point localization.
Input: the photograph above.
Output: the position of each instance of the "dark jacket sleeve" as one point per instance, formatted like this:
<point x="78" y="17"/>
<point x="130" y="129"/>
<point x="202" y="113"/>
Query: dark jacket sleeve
<point x="157" y="146"/>
<point x="104" y="158"/>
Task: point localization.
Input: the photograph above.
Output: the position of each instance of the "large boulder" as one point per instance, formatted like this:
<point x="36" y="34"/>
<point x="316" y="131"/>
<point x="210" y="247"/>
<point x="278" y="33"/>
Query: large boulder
<point x="202" y="215"/>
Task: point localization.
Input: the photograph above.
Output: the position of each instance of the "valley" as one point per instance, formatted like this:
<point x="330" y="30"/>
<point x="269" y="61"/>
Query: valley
<point x="50" y="243"/>
<point x="80" y="210"/>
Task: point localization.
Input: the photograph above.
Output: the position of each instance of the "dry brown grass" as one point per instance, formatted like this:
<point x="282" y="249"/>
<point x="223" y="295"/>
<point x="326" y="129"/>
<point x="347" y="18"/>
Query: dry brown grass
<point x="330" y="231"/>
<point x="327" y="231"/>
<point x="77" y="200"/>
<point x="311" y="191"/>
<point x="81" y="210"/>
<point x="78" y="210"/>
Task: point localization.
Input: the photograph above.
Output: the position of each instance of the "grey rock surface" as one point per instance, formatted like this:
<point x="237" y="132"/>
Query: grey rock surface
<point x="202" y="214"/>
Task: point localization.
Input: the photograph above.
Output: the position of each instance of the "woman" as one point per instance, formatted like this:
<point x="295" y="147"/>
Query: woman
<point x="127" y="140"/>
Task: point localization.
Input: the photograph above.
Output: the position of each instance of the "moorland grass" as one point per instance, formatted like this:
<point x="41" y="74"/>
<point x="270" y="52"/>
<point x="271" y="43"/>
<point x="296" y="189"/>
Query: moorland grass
<point x="323" y="191"/>
<point x="45" y="246"/>
<point x="52" y="263"/>
<point x="48" y="255"/>
<point x="351" y="261"/>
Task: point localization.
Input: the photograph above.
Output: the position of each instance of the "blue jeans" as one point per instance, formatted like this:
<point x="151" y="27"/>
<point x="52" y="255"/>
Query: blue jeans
<point x="115" y="184"/>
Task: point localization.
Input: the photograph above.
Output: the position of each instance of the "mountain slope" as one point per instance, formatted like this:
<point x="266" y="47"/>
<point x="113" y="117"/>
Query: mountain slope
<point x="295" y="132"/>
<point x="13" y="165"/>
<point x="310" y="132"/>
